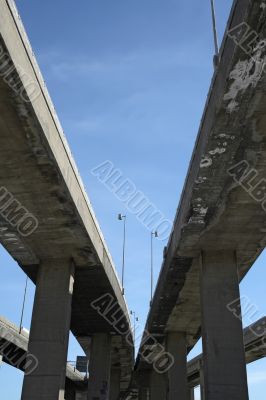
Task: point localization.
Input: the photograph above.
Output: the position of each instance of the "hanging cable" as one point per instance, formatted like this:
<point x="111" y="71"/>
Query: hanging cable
<point x="23" y="306"/>
<point x="215" y="36"/>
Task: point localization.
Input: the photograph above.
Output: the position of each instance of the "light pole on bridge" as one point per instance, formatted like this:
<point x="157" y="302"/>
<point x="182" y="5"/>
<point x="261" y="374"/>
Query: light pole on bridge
<point x="216" y="46"/>
<point x="153" y="234"/>
<point x="124" y="219"/>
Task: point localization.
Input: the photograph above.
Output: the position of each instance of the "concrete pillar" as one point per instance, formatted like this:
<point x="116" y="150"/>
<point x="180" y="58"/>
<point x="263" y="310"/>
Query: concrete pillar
<point x="158" y="386"/>
<point x="115" y="383"/>
<point x="222" y="332"/>
<point x="99" y="367"/>
<point x="177" y="374"/>
<point x="49" y="332"/>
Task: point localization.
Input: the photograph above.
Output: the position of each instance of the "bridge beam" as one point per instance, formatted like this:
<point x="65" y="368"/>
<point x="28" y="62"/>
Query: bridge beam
<point x="177" y="374"/>
<point x="49" y="333"/>
<point x="99" y="367"/>
<point x="224" y="363"/>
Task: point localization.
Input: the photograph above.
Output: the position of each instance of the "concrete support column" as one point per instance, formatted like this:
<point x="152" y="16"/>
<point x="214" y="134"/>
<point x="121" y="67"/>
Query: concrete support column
<point x="49" y="331"/>
<point x="158" y="386"/>
<point x="115" y="383"/>
<point x="224" y="363"/>
<point x="177" y="374"/>
<point x="99" y="367"/>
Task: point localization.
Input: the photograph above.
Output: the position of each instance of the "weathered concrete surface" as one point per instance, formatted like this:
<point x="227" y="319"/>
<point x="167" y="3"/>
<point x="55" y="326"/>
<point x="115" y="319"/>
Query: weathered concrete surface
<point x="37" y="168"/>
<point x="216" y="213"/>
<point x="14" y="347"/>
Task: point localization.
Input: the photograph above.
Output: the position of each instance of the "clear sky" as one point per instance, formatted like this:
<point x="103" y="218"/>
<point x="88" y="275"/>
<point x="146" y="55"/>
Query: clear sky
<point x="129" y="79"/>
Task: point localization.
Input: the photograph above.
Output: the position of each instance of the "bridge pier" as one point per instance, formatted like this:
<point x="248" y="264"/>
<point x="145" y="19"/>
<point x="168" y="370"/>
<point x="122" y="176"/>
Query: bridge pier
<point x="49" y="332"/>
<point x="177" y="374"/>
<point x="224" y="363"/>
<point x="115" y="383"/>
<point x="99" y="367"/>
<point x="158" y="386"/>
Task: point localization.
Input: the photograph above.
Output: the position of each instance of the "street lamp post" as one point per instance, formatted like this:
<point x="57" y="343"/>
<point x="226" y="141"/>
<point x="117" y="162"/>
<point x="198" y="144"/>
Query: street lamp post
<point x="123" y="218"/>
<point x="153" y="234"/>
<point x="216" y="46"/>
<point x="23" y="305"/>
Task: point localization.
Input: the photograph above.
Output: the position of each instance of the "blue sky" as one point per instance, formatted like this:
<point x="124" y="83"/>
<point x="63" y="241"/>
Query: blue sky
<point x="129" y="81"/>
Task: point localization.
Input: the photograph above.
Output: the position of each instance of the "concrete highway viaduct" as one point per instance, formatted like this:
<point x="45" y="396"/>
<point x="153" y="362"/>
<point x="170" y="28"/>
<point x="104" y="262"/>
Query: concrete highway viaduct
<point x="48" y="226"/>
<point x="220" y="225"/>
